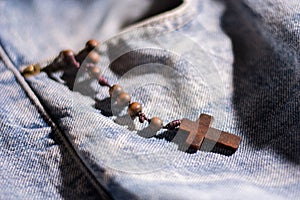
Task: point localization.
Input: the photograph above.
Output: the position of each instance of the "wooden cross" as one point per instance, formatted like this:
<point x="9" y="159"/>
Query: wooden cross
<point x="200" y="130"/>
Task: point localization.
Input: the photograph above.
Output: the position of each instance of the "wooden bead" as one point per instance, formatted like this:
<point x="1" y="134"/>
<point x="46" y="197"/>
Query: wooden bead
<point x="115" y="90"/>
<point x="93" y="57"/>
<point x="91" y="44"/>
<point x="67" y="53"/>
<point x="133" y="109"/>
<point x="94" y="71"/>
<point x="31" y="70"/>
<point x="68" y="57"/>
<point x="156" y="124"/>
<point x="123" y="99"/>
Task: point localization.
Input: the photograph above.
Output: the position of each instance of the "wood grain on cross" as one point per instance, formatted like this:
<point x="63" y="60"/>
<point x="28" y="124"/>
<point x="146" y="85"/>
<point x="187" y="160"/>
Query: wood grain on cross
<point x="200" y="130"/>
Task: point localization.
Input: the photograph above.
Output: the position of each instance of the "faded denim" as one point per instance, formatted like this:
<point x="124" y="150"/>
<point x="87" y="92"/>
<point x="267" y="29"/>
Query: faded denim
<point x="236" y="60"/>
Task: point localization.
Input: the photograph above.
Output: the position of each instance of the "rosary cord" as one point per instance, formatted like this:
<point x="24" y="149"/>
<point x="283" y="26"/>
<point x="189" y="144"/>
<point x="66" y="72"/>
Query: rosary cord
<point x="68" y="62"/>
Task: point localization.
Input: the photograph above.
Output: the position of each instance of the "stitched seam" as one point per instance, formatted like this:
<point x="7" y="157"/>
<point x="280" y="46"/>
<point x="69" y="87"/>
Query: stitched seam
<point x="184" y="8"/>
<point x="11" y="66"/>
<point x="158" y="21"/>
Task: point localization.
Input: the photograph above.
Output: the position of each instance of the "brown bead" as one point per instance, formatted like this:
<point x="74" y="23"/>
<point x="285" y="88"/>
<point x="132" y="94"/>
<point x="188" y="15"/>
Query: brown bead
<point x="123" y="99"/>
<point x="115" y="90"/>
<point x="133" y="109"/>
<point x="91" y="44"/>
<point x="31" y="70"/>
<point x="94" y="71"/>
<point x="68" y="57"/>
<point x="93" y="57"/>
<point x="67" y="53"/>
<point x="156" y="124"/>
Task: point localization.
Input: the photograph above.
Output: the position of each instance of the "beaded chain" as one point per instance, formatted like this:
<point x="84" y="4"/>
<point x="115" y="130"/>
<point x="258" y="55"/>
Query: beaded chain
<point x="193" y="133"/>
<point x="67" y="59"/>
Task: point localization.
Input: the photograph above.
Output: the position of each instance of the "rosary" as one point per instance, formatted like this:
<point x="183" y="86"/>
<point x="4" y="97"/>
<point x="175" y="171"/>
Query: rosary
<point x="192" y="133"/>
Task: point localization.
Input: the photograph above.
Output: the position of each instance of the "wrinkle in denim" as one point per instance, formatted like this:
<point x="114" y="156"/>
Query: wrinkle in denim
<point x="259" y="71"/>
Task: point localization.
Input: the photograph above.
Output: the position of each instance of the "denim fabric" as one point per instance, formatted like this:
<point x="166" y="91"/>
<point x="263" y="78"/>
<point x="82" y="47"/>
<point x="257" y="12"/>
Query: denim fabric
<point x="236" y="60"/>
<point x="34" y="162"/>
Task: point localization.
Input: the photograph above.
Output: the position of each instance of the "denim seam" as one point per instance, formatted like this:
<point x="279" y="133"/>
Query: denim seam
<point x="34" y="99"/>
<point x="180" y="11"/>
<point x="184" y="11"/>
<point x="156" y="21"/>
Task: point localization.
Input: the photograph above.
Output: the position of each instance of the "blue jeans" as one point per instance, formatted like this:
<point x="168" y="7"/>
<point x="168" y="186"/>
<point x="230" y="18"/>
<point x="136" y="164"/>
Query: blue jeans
<point x="235" y="60"/>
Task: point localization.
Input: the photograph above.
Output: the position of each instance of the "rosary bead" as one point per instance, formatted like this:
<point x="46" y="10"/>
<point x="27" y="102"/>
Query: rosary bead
<point x="156" y="124"/>
<point x="115" y="90"/>
<point x="93" y="57"/>
<point x="31" y="70"/>
<point x="91" y="44"/>
<point x="83" y="54"/>
<point x="94" y="71"/>
<point x="67" y="53"/>
<point x="69" y="58"/>
<point x="134" y="109"/>
<point x="123" y="99"/>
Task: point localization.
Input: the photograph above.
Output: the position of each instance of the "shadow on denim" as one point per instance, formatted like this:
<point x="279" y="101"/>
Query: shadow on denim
<point x="266" y="83"/>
